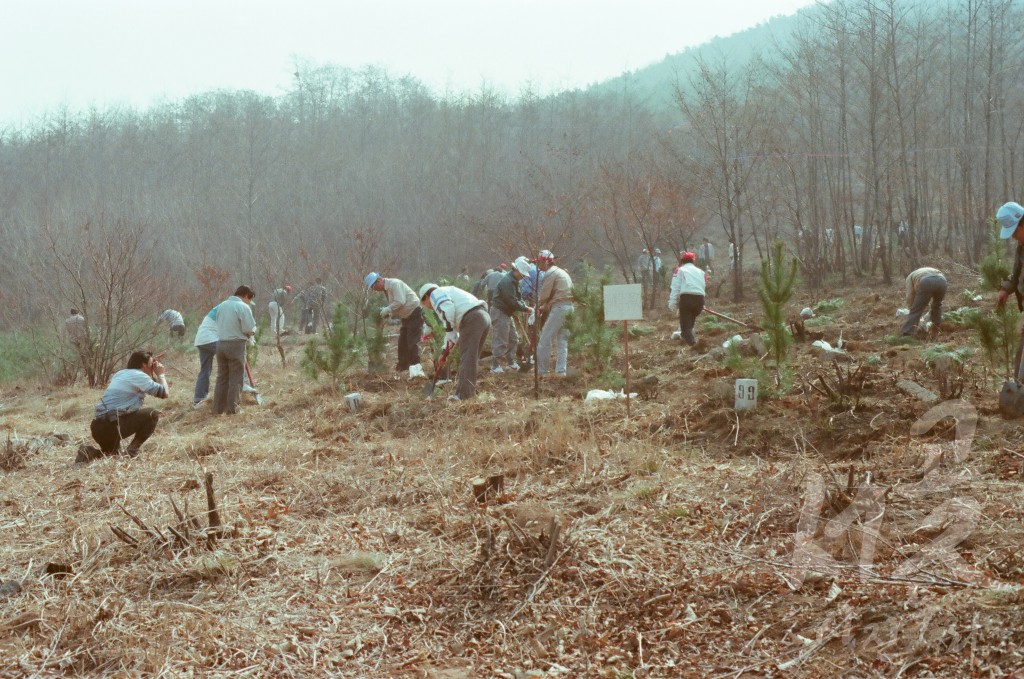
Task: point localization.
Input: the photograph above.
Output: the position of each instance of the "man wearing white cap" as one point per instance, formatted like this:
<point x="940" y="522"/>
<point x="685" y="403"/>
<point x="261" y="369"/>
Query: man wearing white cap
<point x="1009" y="218"/>
<point x="278" y="300"/>
<point x="555" y="299"/>
<point x="404" y="303"/>
<point x="466" y="322"/>
<point x="506" y="301"/>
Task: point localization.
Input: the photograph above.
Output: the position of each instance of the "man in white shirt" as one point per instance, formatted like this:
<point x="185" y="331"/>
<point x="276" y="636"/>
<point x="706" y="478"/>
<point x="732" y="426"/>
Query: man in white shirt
<point x="174" y="320"/>
<point x="466" y="323"/>
<point x="687" y="295"/>
<point x="403" y="303"/>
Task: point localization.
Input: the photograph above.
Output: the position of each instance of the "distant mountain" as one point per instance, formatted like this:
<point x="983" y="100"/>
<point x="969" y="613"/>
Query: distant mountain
<point x="655" y="84"/>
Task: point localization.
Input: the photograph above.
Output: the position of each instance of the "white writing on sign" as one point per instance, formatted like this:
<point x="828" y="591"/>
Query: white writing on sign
<point x="623" y="302"/>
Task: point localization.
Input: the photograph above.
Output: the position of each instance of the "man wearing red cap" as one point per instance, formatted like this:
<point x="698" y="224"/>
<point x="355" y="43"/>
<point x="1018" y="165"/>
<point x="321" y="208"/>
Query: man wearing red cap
<point x="687" y="295"/>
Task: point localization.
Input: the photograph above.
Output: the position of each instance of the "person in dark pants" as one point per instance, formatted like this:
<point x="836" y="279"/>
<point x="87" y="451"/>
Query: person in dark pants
<point x="1009" y="217"/>
<point x="924" y="286"/>
<point x="404" y="303"/>
<point x="235" y="327"/>
<point x="206" y="345"/>
<point x="120" y="415"/>
<point x="467" y="323"/>
<point x="687" y="295"/>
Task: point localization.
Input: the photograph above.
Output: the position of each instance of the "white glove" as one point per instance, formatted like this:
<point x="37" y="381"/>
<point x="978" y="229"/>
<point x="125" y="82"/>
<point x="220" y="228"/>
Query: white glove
<point x="450" y="338"/>
<point x="252" y="340"/>
<point x="385" y="311"/>
<point x="532" y="319"/>
<point x="672" y="307"/>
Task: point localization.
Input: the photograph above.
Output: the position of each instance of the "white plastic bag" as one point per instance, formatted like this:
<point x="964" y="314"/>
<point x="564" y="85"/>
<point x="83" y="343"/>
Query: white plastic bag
<point x="606" y="395"/>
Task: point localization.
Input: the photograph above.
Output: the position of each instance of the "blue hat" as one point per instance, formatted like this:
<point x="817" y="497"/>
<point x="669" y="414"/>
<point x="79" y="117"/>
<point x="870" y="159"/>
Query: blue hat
<point x="1008" y="217"/>
<point x="371" y="278"/>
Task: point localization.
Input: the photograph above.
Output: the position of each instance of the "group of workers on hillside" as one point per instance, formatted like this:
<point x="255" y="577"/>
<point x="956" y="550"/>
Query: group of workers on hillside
<point x="535" y="288"/>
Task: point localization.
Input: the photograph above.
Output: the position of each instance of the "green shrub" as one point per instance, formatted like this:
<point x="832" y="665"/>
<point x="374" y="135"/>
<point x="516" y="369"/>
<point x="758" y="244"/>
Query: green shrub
<point x="994" y="268"/>
<point x="374" y="339"/>
<point x="774" y="290"/>
<point x="589" y="335"/>
<point x="19" y="355"/>
<point x="339" y="352"/>
<point x="827" y="305"/>
<point x="818" y="320"/>
<point x="997" y="334"/>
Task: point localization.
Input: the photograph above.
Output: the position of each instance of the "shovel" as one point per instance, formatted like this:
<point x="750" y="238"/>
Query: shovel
<point x="527" y="365"/>
<point x="428" y="388"/>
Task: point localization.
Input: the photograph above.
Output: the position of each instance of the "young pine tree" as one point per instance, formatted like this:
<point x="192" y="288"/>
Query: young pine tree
<point x="338" y="353"/>
<point x="589" y="335"/>
<point x="774" y="290"/>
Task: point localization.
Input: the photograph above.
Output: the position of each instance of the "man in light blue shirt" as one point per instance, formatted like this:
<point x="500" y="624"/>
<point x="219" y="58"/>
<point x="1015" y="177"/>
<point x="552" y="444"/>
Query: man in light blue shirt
<point x="235" y="327"/>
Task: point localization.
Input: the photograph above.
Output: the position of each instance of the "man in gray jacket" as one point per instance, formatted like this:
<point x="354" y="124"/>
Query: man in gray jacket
<point x="235" y="327"/>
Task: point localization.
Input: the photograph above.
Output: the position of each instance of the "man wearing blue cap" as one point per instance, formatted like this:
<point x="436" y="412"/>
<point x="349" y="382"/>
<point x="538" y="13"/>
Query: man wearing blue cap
<point x="1009" y="217"/>
<point x="404" y="303"/>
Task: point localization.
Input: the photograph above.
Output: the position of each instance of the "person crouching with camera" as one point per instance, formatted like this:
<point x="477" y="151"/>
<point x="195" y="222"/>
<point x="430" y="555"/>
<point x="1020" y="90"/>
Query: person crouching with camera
<point x="120" y="415"/>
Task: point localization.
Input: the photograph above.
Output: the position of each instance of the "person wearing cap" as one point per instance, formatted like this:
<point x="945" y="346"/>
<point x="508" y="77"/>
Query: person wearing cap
<point x="507" y="301"/>
<point x="924" y="286"/>
<point x="174" y="320"/>
<point x="1009" y="218"/>
<point x="656" y="261"/>
<point x="466" y="324"/>
<point x="235" y="327"/>
<point x="686" y="295"/>
<point x="555" y="300"/>
<point x="278" y="300"/>
<point x="403" y="303"/>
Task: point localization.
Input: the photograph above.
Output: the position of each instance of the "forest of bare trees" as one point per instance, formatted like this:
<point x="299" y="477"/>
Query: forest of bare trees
<point x="901" y="118"/>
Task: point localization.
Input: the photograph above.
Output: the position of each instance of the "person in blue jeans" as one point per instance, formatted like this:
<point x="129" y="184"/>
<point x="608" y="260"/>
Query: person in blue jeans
<point x="206" y="343"/>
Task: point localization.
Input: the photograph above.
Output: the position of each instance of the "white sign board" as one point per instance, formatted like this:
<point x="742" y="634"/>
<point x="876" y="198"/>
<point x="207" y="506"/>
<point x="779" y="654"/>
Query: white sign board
<point x="623" y="303"/>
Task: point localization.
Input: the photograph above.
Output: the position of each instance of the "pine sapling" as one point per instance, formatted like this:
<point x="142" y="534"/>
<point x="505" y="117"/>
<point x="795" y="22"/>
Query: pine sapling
<point x="339" y="352"/>
<point x="589" y="335"/>
<point x="774" y="290"/>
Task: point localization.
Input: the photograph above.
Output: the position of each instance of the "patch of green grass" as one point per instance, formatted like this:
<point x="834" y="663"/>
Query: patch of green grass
<point x="709" y="322"/>
<point x="873" y="359"/>
<point x="901" y="340"/>
<point x="958" y="355"/>
<point x="19" y="352"/>
<point x="644" y="492"/>
<point x="641" y="330"/>
<point x="676" y="513"/>
<point x="818" y="320"/>
<point x="827" y="305"/>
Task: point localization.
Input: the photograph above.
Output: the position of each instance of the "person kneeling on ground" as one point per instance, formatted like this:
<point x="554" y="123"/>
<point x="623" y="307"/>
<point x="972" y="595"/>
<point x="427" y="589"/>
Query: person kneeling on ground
<point x="120" y="414"/>
<point x="687" y="295"/>
<point x="924" y="285"/>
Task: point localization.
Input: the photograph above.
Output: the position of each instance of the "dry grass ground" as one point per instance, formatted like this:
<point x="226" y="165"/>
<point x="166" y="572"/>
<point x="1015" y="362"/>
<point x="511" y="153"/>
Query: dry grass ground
<point x="688" y="541"/>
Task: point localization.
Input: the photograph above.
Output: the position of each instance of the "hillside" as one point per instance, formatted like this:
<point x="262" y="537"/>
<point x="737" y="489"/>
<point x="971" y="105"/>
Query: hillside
<point x="689" y="540"/>
<point x="655" y="84"/>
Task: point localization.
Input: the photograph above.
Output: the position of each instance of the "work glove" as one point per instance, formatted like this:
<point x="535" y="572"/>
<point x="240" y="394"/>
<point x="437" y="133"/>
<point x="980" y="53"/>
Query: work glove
<point x="450" y="338"/>
<point x="252" y="340"/>
<point x="385" y="312"/>
<point x="1001" y="298"/>
<point x="532" y="319"/>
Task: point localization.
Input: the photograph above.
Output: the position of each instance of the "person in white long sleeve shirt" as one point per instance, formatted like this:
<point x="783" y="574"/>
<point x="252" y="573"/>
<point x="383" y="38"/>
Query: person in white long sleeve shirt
<point x="466" y="323"/>
<point x="687" y="295"/>
<point x="403" y="303"/>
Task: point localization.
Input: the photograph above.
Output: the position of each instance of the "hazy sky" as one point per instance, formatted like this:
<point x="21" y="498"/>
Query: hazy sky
<point x="83" y="53"/>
